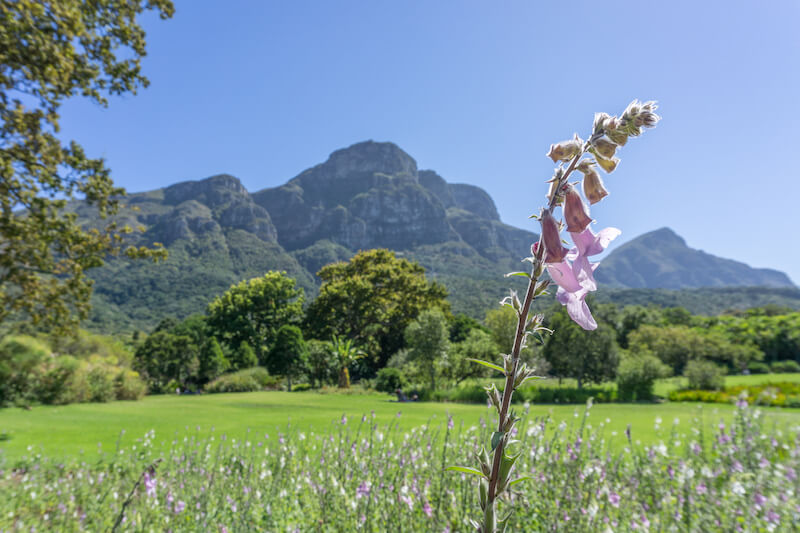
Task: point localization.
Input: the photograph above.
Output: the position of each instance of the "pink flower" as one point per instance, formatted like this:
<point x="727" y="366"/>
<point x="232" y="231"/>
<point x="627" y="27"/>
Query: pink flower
<point x="574" y="275"/>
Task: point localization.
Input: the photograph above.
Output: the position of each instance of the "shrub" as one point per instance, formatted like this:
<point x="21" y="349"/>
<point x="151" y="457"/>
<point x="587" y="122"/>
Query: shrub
<point x="704" y="375"/>
<point x="787" y="367"/>
<point x="101" y="384"/>
<point x="758" y="368"/>
<point x="129" y="386"/>
<point x="389" y="380"/>
<point x="637" y="374"/>
<point x="248" y="380"/>
<point x="21" y="358"/>
<point x="61" y="382"/>
<point x="300" y="387"/>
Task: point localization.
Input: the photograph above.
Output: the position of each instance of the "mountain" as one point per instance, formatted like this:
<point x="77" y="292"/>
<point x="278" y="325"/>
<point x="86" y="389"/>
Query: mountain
<point x="365" y="196"/>
<point x="369" y="195"/>
<point x="661" y="259"/>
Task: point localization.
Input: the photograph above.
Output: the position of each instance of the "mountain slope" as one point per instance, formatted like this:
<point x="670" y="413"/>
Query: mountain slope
<point x="365" y="196"/>
<point x="661" y="259"/>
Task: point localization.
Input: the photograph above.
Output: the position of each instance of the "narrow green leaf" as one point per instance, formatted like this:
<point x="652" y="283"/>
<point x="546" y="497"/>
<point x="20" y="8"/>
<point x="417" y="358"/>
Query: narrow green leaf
<point x="524" y="274"/>
<point x="497" y="436"/>
<point x="488" y="364"/>
<point x="523" y="478"/>
<point x="465" y="469"/>
<point x="530" y="377"/>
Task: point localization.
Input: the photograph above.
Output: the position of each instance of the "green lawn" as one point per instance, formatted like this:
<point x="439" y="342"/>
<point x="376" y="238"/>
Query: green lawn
<point x="69" y="430"/>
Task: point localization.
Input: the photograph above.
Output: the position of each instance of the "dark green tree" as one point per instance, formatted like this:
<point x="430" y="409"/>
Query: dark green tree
<point x="254" y="310"/>
<point x="372" y="299"/>
<point x="587" y="356"/>
<point x="164" y="357"/>
<point x="461" y="326"/>
<point x="288" y="354"/>
<point x="346" y="353"/>
<point x="212" y="361"/>
<point x="321" y="366"/>
<point x="243" y="357"/>
<point x="50" y="51"/>
<point x="428" y="342"/>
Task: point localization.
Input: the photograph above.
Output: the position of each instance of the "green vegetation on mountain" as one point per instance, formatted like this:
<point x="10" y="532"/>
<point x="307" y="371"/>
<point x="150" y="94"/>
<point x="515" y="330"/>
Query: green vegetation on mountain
<point x="371" y="195"/>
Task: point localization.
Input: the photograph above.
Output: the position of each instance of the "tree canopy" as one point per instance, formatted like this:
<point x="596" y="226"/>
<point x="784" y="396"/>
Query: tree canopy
<point x="372" y="299"/>
<point x="50" y="51"/>
<point x="254" y="310"/>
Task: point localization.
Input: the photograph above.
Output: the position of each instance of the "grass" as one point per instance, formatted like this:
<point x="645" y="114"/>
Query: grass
<point x="68" y="431"/>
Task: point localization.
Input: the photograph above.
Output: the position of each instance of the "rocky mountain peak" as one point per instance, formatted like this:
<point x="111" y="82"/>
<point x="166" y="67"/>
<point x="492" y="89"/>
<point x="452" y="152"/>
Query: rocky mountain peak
<point x="216" y="190"/>
<point x="369" y="157"/>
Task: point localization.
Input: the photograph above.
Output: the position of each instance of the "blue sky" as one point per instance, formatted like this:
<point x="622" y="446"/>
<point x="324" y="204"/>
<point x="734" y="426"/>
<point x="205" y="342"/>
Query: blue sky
<point x="478" y="91"/>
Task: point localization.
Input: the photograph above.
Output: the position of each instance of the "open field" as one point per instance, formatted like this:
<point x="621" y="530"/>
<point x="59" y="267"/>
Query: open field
<point x="66" y="431"/>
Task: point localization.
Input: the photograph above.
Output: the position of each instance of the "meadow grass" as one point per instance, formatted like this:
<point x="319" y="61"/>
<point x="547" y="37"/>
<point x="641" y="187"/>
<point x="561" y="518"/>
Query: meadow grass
<point x="70" y="430"/>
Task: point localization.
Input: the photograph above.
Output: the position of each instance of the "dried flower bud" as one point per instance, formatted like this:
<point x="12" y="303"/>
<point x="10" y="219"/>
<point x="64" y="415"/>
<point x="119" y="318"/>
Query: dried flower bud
<point x="638" y="115"/>
<point x="600" y="120"/>
<point x="575" y="211"/>
<point x="605" y="147"/>
<point x="554" y="250"/>
<point x="593" y="188"/>
<point x="565" y="150"/>
<point x="608" y="164"/>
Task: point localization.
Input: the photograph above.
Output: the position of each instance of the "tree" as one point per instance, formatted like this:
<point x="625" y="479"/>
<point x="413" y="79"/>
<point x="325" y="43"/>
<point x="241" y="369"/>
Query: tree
<point x="477" y="345"/>
<point x="461" y="326"/>
<point x="289" y="353"/>
<point x="212" y="361"/>
<point x="428" y="340"/>
<point x="372" y="299"/>
<point x="572" y="352"/>
<point x="164" y="357"/>
<point x="502" y="324"/>
<point x="254" y="310"/>
<point x="321" y="367"/>
<point x="346" y="353"/>
<point x="50" y="51"/>
<point x="243" y="357"/>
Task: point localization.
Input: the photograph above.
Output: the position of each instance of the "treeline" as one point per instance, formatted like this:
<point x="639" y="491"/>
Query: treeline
<point x="378" y="320"/>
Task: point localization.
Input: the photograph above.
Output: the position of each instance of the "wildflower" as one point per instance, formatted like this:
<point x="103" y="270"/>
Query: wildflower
<point x="575" y="211"/>
<point x="427" y="509"/>
<point x="149" y="485"/>
<point x="593" y="187"/>
<point x="565" y="150"/>
<point x="613" y="499"/>
<point x="179" y="506"/>
<point x="555" y="251"/>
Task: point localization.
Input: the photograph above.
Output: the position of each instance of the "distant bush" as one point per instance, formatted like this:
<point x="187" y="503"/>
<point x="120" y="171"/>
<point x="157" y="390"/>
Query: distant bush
<point x="637" y="375"/>
<point x="785" y="367"/>
<point x="783" y="394"/>
<point x="129" y="386"/>
<point x="300" y="387"/>
<point x="704" y="375"/>
<point x="247" y="380"/>
<point x="758" y="368"/>
<point x="389" y="380"/>
<point x="21" y="360"/>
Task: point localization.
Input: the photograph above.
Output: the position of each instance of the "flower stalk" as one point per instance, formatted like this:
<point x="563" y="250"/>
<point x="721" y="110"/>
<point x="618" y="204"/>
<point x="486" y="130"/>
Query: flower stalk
<point x="569" y="269"/>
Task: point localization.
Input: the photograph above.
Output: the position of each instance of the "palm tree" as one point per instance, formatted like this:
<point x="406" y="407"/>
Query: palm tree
<point x="346" y="353"/>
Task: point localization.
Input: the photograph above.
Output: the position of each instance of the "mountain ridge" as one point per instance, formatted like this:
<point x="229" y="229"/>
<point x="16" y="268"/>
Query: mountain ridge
<point x="368" y="195"/>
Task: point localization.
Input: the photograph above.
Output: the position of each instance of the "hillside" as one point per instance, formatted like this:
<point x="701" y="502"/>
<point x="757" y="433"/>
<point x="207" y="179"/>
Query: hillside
<point x="365" y="196"/>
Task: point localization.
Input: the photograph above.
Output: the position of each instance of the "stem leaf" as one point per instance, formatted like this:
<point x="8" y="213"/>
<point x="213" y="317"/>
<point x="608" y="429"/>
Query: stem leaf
<point x="497" y="436"/>
<point x="465" y="470"/>
<point x="488" y="364"/>
<point x="519" y="479"/>
<point x="524" y="274"/>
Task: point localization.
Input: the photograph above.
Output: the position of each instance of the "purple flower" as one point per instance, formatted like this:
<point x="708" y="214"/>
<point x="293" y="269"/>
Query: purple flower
<point x="576" y="279"/>
<point x="613" y="499"/>
<point x="150" y="485"/>
<point x="180" y="506"/>
<point x="362" y="490"/>
<point x="428" y="509"/>
<point x="450" y="423"/>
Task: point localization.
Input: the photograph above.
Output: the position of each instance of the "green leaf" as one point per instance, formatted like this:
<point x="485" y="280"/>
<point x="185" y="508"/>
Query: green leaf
<point x="524" y="274"/>
<point x="519" y="479"/>
<point x="530" y="377"/>
<point x="497" y="436"/>
<point x="488" y="364"/>
<point x="465" y="469"/>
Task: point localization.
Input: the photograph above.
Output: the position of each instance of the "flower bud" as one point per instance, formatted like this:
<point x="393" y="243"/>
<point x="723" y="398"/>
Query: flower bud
<point x="575" y="211"/>
<point x="608" y="164"/>
<point x="593" y="188"/>
<point x="565" y="150"/>
<point x="605" y="147"/>
<point x="554" y="250"/>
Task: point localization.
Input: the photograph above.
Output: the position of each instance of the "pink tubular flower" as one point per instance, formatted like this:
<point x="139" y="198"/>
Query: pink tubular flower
<point x="575" y="274"/>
